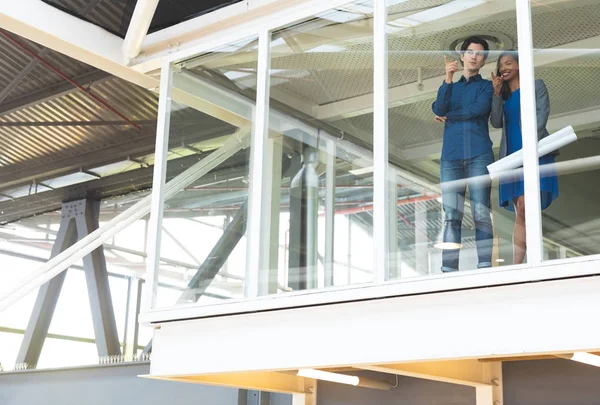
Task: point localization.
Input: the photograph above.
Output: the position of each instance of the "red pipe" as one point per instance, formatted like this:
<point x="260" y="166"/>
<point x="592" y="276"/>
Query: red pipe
<point x="402" y="201"/>
<point x="67" y="78"/>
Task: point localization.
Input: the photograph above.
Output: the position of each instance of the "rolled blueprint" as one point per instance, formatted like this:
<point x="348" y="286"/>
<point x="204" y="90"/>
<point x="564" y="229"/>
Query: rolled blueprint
<point x="547" y="145"/>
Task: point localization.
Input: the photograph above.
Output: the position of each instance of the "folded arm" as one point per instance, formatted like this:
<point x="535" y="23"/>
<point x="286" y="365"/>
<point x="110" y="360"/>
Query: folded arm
<point x="441" y="105"/>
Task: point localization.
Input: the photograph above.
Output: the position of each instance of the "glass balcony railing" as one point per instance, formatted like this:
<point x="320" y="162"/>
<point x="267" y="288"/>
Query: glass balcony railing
<point x="279" y="189"/>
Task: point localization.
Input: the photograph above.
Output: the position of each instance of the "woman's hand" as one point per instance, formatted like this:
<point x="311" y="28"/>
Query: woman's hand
<point x="497" y="81"/>
<point x="440" y="119"/>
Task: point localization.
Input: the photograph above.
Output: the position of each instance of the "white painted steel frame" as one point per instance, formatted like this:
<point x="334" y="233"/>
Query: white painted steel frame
<point x="280" y="17"/>
<point x="380" y="143"/>
<point x="531" y="170"/>
<point x="258" y="229"/>
<point x="481" y="278"/>
<point x="381" y="187"/>
<point x="474" y="323"/>
<point x="158" y="186"/>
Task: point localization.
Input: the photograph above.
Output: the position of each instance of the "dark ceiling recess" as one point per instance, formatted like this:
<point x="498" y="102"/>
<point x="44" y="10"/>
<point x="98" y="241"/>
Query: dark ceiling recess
<point x="115" y="15"/>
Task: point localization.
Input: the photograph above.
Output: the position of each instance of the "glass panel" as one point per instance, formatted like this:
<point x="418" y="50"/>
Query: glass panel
<point x="444" y="210"/>
<point x="203" y="243"/>
<point x="566" y="40"/>
<point x="321" y="222"/>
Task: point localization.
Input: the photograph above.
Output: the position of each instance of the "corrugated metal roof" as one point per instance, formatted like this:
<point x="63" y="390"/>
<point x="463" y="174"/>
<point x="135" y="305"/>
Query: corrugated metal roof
<point x="115" y="15"/>
<point x="14" y="61"/>
<point x="33" y="145"/>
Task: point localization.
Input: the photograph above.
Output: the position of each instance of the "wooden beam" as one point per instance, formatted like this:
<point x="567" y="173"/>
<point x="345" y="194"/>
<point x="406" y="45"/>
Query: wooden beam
<point x="261" y="381"/>
<point x="463" y="372"/>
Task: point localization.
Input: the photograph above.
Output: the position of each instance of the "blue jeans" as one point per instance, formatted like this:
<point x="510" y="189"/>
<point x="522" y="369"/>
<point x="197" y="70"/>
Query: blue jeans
<point x="455" y="177"/>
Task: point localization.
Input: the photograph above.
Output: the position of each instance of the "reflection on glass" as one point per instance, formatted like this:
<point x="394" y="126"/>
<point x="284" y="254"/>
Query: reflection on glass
<point x="567" y="60"/>
<point x="443" y="203"/>
<point x="506" y="114"/>
<point x="321" y="179"/>
<point x="203" y="241"/>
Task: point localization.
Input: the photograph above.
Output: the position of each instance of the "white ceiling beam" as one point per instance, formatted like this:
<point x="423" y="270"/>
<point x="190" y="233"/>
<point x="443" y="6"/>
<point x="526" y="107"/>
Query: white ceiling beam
<point x="69" y="35"/>
<point x="223" y="27"/>
<point x="243" y="19"/>
<point x="411" y="93"/>
<point x="138" y="27"/>
<point x="472" y="373"/>
<point x="286" y="383"/>
<point x="580" y="120"/>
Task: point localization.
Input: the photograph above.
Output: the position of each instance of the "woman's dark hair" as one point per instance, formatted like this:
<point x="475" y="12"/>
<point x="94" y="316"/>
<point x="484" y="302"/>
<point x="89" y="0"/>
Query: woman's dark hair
<point x="505" y="92"/>
<point x="474" y="40"/>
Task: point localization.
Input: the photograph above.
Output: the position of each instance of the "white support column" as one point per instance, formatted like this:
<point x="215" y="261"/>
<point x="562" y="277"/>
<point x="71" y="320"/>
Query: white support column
<point x="494" y="375"/>
<point x="308" y="398"/>
<point x="484" y="396"/>
<point x="138" y="28"/>
<point x="329" y="212"/>
<point x="158" y="186"/>
<point x="134" y="298"/>
<point x="271" y="211"/>
<point x="421" y="242"/>
<point x="493" y="394"/>
<point x="394" y="269"/>
<point x="258" y="193"/>
<point x="380" y="142"/>
<point x="533" y="218"/>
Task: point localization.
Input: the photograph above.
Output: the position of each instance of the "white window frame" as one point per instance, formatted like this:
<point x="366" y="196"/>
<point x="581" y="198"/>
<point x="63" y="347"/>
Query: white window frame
<point x="534" y="270"/>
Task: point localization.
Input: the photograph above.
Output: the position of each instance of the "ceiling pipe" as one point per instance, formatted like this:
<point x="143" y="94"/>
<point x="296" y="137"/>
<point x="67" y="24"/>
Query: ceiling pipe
<point x="138" y="28"/>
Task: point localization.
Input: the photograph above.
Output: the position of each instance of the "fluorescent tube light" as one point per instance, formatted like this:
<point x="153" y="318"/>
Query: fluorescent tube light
<point x="586" y="358"/>
<point x="344" y="379"/>
<point x="329" y="376"/>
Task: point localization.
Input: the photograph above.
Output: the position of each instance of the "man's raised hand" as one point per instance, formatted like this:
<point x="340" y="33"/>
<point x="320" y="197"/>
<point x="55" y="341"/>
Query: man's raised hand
<point x="451" y="68"/>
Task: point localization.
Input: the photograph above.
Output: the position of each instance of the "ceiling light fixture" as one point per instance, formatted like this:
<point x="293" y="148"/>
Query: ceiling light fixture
<point x="344" y="379"/>
<point x="582" y="357"/>
<point x="329" y="376"/>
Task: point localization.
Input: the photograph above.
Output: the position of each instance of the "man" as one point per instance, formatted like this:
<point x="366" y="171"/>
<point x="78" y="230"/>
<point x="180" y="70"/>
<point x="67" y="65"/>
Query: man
<point x="464" y="108"/>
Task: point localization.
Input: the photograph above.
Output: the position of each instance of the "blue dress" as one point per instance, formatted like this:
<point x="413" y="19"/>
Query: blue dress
<point x="513" y="187"/>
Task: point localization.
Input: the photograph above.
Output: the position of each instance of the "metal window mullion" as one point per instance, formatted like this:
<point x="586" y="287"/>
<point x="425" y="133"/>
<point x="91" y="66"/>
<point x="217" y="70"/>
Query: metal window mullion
<point x="330" y="170"/>
<point x="158" y="187"/>
<point x="380" y="142"/>
<point x="258" y="146"/>
<point x="533" y="217"/>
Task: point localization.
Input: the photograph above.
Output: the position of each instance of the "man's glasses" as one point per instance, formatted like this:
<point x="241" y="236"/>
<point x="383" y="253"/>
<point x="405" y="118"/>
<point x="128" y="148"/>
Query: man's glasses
<point x="474" y="53"/>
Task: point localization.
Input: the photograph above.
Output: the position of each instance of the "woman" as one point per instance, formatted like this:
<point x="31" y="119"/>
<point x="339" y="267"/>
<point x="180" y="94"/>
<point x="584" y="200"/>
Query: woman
<point x="506" y="114"/>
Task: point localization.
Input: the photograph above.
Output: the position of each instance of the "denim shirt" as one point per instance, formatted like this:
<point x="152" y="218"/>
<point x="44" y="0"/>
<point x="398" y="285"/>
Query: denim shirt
<point x="467" y="106"/>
